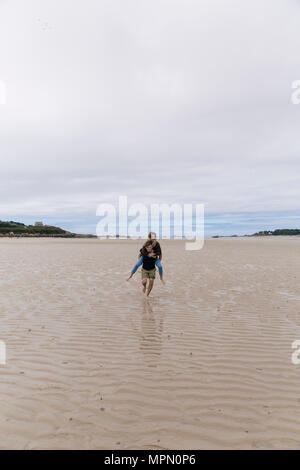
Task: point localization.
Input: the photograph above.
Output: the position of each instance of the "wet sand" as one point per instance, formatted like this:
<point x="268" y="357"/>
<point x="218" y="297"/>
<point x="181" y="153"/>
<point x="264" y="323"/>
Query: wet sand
<point x="205" y="363"/>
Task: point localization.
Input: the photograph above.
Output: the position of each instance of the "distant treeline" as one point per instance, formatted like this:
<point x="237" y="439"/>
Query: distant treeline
<point x="281" y="231"/>
<point x="18" y="229"/>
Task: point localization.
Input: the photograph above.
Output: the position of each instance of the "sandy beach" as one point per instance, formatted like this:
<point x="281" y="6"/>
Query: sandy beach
<point x="205" y="363"/>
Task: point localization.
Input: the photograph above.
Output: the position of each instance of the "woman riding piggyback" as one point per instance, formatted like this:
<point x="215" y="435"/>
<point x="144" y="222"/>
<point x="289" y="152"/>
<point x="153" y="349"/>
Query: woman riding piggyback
<point x="156" y="249"/>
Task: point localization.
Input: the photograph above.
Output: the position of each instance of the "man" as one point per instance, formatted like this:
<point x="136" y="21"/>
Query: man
<point x="143" y="253"/>
<point x="148" y="268"/>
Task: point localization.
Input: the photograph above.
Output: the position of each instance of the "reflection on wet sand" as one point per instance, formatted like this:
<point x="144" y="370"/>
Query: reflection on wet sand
<point x="151" y="333"/>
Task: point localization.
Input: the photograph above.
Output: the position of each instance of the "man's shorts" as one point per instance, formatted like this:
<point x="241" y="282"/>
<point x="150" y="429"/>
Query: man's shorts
<point x="148" y="274"/>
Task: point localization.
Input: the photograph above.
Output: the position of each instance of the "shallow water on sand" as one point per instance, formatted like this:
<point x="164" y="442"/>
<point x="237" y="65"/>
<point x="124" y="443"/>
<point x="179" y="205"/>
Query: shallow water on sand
<point x="205" y="362"/>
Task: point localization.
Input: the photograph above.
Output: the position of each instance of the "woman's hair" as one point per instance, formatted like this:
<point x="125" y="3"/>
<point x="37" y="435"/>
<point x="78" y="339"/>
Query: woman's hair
<point x="152" y="236"/>
<point x="151" y="239"/>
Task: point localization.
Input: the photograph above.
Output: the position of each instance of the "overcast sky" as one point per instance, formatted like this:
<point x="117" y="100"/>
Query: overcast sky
<point x="162" y="101"/>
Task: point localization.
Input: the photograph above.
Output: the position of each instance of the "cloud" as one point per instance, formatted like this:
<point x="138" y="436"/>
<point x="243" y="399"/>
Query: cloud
<point x="164" y="102"/>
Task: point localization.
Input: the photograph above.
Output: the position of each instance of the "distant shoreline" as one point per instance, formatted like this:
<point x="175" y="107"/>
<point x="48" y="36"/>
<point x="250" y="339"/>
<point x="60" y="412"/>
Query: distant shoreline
<point x="72" y="236"/>
<point x="11" y="229"/>
<point x="267" y="233"/>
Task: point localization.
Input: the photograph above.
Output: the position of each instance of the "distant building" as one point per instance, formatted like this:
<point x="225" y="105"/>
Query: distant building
<point x="38" y="224"/>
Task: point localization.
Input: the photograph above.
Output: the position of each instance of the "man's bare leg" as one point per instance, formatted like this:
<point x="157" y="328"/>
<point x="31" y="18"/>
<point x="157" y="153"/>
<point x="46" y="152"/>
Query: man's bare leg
<point x="144" y="283"/>
<point x="151" y="282"/>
